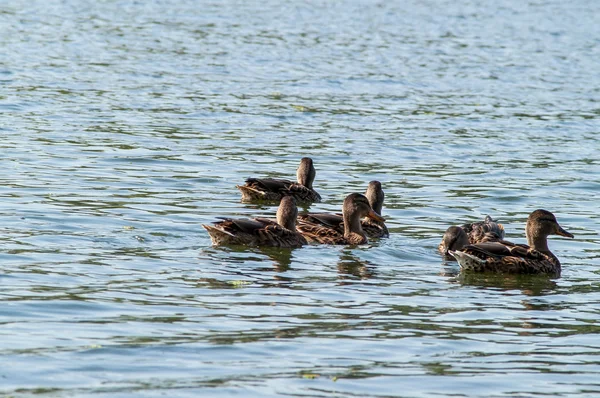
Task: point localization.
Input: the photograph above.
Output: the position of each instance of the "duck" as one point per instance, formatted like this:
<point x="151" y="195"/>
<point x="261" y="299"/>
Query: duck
<point x="375" y="196"/>
<point x="355" y="207"/>
<point x="260" y="231"/>
<point x="507" y="257"/>
<point x="273" y="189"/>
<point x="457" y="237"/>
<point x="372" y="228"/>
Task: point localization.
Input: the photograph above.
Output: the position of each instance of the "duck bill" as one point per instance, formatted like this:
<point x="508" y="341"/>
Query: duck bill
<point x="560" y="231"/>
<point x="374" y="216"/>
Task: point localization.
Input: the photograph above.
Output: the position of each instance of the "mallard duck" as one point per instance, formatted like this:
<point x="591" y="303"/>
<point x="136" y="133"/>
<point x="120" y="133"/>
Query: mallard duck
<point x="372" y="228"/>
<point x="260" y="231"/>
<point x="356" y="206"/>
<point x="273" y="189"/>
<point x="375" y="196"/>
<point x="508" y="257"/>
<point x="455" y="237"/>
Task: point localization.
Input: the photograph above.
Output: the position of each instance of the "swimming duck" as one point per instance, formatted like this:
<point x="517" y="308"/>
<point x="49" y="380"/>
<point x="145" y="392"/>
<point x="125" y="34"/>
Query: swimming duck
<point x="455" y="237"/>
<point x="260" y="231"/>
<point x="507" y="257"/>
<point x="273" y="189"/>
<point x="355" y="207"/>
<point x="375" y="196"/>
<point x="372" y="228"/>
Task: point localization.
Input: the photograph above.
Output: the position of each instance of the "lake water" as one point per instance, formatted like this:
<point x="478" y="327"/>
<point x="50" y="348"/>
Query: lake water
<point x="126" y="125"/>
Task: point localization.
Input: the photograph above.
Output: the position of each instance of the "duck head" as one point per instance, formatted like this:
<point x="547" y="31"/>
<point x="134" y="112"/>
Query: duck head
<point x="541" y="224"/>
<point x="455" y="238"/>
<point x="356" y="206"/>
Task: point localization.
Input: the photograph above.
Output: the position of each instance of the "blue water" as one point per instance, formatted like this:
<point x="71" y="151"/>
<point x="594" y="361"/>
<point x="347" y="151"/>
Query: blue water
<point x="125" y="126"/>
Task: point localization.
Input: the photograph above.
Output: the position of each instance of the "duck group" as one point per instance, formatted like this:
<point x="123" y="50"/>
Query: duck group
<point x="477" y="247"/>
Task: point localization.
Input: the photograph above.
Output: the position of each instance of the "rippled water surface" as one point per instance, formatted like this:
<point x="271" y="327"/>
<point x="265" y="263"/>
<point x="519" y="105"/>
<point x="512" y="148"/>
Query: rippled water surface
<point x="126" y="125"/>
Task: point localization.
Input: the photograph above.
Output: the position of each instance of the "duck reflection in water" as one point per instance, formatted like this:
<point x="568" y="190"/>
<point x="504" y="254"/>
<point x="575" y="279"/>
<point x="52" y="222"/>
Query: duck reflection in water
<point x="281" y="258"/>
<point x="350" y="264"/>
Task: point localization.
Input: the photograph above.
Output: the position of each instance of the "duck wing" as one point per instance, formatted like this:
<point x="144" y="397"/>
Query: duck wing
<point x="319" y="233"/>
<point x="269" y="184"/>
<point x="244" y="225"/>
<point x="334" y="221"/>
<point x="507" y="257"/>
<point x="498" y="249"/>
<point x="301" y="193"/>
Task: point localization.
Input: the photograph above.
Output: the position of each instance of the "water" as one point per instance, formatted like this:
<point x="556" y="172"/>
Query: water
<point x="125" y="126"/>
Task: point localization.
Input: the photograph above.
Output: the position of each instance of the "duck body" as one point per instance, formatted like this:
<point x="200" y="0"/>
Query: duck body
<point x="375" y="229"/>
<point x="273" y="189"/>
<point x="260" y="231"/>
<point x="253" y="232"/>
<point x="325" y="228"/>
<point x="315" y="233"/>
<point x="507" y="257"/>
<point x="335" y="221"/>
<point x="455" y="237"/>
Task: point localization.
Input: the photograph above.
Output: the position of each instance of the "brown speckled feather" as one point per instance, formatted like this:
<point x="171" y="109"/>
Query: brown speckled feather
<point x="334" y="221"/>
<point x="253" y="232"/>
<point x="372" y="228"/>
<point x="507" y="257"/>
<point x="484" y="231"/>
<point x="456" y="237"/>
<point x="318" y="233"/>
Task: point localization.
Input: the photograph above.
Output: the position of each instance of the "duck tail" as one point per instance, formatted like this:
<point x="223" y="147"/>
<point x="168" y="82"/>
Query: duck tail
<point x="466" y="260"/>
<point x="249" y="193"/>
<point x="217" y="235"/>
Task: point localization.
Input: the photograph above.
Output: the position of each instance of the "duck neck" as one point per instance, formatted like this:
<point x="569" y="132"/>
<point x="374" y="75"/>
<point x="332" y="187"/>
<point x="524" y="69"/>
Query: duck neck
<point x="377" y="207"/>
<point x="306" y="176"/>
<point x="352" y="224"/>
<point x="287" y="221"/>
<point x="539" y="243"/>
<point x="375" y="199"/>
<point x="306" y="180"/>
<point x="290" y="224"/>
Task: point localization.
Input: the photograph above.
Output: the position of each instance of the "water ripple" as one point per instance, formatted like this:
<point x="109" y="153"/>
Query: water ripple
<point x="127" y="126"/>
